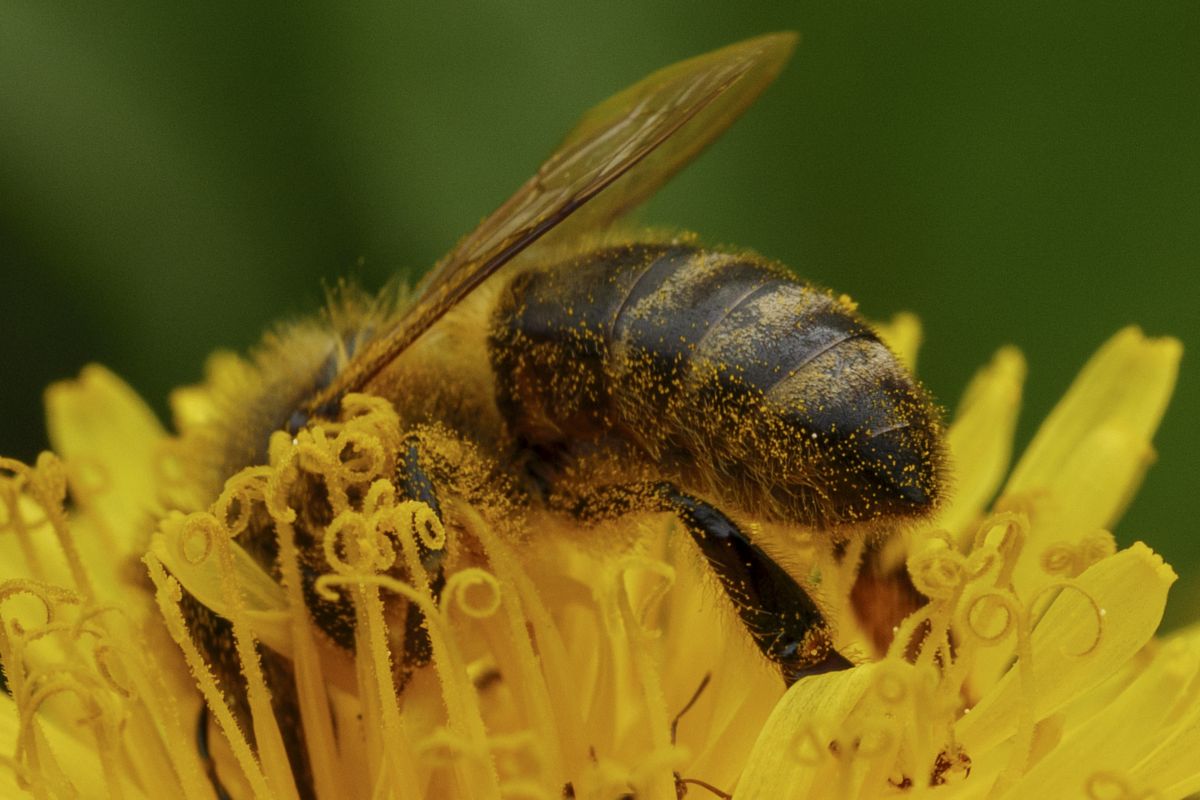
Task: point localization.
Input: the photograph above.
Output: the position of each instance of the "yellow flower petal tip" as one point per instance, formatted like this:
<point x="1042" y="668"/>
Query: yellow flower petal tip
<point x="1126" y="385"/>
<point x="82" y="409"/>
<point x="903" y="335"/>
<point x="1028" y="666"/>
<point x="979" y="439"/>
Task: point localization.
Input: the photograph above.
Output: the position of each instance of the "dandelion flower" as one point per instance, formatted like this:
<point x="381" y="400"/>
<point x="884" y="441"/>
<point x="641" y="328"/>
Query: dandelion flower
<point x="560" y="668"/>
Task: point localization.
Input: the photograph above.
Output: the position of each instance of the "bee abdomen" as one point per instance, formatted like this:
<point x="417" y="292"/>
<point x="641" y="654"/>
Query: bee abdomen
<point x="726" y="367"/>
<point x="700" y="316"/>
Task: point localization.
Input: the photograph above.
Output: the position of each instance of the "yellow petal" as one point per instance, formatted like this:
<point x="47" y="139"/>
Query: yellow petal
<point x="1124" y="595"/>
<point x="1091" y="453"/>
<point x="1127" y="384"/>
<point x="195" y="406"/>
<point x="792" y="750"/>
<point x="1170" y="767"/>
<point x="108" y="438"/>
<point x="265" y="602"/>
<point x="1113" y="408"/>
<point x="65" y="762"/>
<point x="1114" y="739"/>
<point x="903" y="335"/>
<point x="980" y="439"/>
<point x="29" y="548"/>
<point x="1097" y="481"/>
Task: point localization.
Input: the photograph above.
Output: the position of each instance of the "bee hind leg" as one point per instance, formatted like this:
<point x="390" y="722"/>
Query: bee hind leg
<point x="414" y="483"/>
<point x="779" y="614"/>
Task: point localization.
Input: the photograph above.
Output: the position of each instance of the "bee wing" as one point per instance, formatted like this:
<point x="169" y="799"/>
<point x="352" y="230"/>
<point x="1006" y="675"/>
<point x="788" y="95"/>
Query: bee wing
<point x="626" y="147"/>
<point x="618" y="155"/>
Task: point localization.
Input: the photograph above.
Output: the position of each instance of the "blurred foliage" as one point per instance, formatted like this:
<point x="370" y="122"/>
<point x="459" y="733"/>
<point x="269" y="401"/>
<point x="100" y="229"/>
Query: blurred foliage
<point x="174" y="176"/>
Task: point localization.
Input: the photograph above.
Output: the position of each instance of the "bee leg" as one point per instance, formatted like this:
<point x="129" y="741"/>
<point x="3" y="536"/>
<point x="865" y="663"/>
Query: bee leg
<point x="780" y="616"/>
<point x="215" y="633"/>
<point x="414" y="483"/>
<point x="782" y="619"/>
<point x="210" y="765"/>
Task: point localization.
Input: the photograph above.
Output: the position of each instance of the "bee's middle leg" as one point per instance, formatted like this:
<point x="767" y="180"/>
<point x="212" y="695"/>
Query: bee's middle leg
<point x="779" y="614"/>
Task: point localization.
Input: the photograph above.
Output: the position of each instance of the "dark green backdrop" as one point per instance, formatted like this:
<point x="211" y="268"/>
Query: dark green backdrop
<point x="170" y="180"/>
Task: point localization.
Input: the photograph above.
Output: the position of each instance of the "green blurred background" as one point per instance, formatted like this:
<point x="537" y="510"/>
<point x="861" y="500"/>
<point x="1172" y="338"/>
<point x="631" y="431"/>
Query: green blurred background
<point x="173" y="178"/>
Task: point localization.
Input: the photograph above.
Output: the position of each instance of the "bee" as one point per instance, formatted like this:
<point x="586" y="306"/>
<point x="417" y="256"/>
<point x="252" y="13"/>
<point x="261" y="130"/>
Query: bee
<point x="606" y="372"/>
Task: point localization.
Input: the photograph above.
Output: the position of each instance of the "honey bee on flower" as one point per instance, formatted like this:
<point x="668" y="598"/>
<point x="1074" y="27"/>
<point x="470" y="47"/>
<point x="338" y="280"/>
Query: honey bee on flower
<point x="470" y="543"/>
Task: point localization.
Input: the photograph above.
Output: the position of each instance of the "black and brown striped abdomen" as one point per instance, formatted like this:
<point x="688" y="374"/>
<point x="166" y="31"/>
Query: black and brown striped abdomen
<point x="725" y="370"/>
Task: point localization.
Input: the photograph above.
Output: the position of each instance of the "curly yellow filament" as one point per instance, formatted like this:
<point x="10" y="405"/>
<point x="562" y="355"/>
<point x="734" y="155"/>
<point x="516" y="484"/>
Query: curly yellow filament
<point x="539" y="676"/>
<point x="462" y="703"/>
<point x="168" y="593"/>
<point x="320" y="740"/>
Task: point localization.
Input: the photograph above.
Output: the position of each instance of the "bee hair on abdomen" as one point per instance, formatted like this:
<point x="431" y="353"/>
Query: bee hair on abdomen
<point x="724" y="370"/>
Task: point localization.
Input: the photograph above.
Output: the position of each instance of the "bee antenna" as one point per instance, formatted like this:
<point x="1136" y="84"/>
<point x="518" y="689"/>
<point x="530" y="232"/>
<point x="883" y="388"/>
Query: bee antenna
<point x="688" y="705"/>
